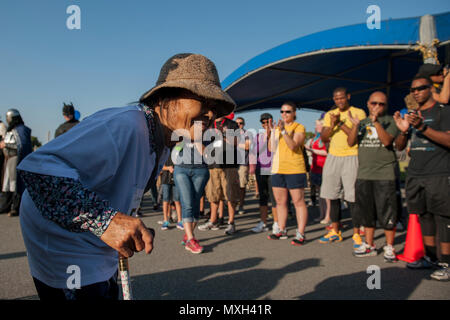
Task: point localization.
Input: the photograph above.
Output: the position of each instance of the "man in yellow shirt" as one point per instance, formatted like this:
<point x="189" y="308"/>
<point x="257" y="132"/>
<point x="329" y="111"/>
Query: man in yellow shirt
<point x="341" y="166"/>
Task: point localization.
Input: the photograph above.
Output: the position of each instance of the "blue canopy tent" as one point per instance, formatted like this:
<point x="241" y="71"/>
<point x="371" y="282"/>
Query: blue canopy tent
<point x="307" y="70"/>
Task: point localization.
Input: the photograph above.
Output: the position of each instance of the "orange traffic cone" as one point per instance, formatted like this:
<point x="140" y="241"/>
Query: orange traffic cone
<point x="414" y="244"/>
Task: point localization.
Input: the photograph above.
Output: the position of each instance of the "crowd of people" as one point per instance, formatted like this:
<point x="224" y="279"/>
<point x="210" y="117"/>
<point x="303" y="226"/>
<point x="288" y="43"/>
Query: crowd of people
<point x="182" y="131"/>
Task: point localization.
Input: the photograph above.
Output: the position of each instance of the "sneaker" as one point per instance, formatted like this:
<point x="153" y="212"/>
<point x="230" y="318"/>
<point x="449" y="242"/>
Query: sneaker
<point x="281" y="235"/>
<point x="331" y="236"/>
<point x="165" y="225"/>
<point x="330" y="226"/>
<point x="180" y="225"/>
<point x="325" y="221"/>
<point x="241" y="211"/>
<point x="230" y="229"/>
<point x="422" y="263"/>
<point x="365" y="250"/>
<point x="400" y="227"/>
<point x="193" y="246"/>
<point x="362" y="231"/>
<point x="442" y="274"/>
<point x="275" y="228"/>
<point x="183" y="242"/>
<point x="260" y="227"/>
<point x="208" y="226"/>
<point x="357" y="241"/>
<point x="389" y="253"/>
<point x="299" y="239"/>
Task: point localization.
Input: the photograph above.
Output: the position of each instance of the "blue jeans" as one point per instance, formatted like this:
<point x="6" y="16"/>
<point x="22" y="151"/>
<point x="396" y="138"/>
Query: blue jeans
<point x="191" y="184"/>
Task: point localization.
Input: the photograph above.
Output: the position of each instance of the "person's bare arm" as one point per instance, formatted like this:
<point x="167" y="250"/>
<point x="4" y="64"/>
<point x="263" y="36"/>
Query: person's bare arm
<point x="403" y="125"/>
<point x="440" y="137"/>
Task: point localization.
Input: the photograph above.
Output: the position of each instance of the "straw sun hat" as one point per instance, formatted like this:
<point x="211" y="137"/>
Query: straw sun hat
<point x="197" y="74"/>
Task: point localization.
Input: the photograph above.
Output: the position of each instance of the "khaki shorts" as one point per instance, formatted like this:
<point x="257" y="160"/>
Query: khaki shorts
<point x="243" y="176"/>
<point x="339" y="177"/>
<point x="222" y="185"/>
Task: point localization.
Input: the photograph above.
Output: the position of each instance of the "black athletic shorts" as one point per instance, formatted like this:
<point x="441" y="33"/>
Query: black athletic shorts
<point x="376" y="200"/>
<point x="265" y="189"/>
<point x="428" y="195"/>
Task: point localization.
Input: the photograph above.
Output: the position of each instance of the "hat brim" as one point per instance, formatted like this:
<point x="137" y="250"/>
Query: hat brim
<point x="205" y="89"/>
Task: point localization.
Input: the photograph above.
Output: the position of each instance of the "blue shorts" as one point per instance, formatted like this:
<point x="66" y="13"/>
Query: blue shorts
<point x="289" y="181"/>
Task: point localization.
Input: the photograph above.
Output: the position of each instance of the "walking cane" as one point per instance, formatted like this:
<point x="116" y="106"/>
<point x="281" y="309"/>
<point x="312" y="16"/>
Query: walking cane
<point x="124" y="277"/>
<point x="125" y="274"/>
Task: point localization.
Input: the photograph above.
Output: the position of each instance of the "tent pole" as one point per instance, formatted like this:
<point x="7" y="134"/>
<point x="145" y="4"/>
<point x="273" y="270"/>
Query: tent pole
<point x="428" y="39"/>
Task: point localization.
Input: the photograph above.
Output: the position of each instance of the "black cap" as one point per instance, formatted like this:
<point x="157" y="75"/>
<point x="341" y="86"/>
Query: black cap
<point x="265" y="116"/>
<point x="429" y="69"/>
<point x="68" y="110"/>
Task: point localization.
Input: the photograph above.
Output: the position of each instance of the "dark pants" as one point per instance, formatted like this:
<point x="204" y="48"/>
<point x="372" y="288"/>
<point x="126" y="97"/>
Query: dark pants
<point x="106" y="290"/>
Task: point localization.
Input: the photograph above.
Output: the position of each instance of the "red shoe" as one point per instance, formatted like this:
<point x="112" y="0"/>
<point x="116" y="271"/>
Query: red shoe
<point x="193" y="246"/>
<point x="183" y="242"/>
<point x="330" y="227"/>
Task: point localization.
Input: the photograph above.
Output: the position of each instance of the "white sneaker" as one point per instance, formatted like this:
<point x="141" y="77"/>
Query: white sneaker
<point x="389" y="253"/>
<point x="275" y="228"/>
<point x="365" y="250"/>
<point x="231" y="229"/>
<point x="260" y="227"/>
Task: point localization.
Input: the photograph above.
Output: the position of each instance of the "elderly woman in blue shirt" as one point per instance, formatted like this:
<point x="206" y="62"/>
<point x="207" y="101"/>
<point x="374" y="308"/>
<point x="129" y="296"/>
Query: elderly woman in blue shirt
<point x="83" y="187"/>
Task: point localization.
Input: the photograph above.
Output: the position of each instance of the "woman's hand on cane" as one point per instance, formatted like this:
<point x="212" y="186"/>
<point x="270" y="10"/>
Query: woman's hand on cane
<point x="128" y="235"/>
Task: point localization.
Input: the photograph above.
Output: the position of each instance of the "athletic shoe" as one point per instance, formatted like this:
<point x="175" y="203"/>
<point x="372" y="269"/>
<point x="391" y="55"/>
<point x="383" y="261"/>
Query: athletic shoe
<point x="230" y="229"/>
<point x="357" y="241"/>
<point x="193" y="246"/>
<point x="219" y="223"/>
<point x="325" y="221"/>
<point x="165" y="225"/>
<point x="241" y="211"/>
<point x="330" y="226"/>
<point x="180" y="225"/>
<point x="208" y="226"/>
<point x="400" y="227"/>
<point x="299" y="239"/>
<point x="281" y="235"/>
<point x="389" y="253"/>
<point x="331" y="236"/>
<point x="362" y="231"/>
<point x="423" y="263"/>
<point x="183" y="242"/>
<point x="365" y="250"/>
<point x="260" y="227"/>
<point x="275" y="228"/>
<point x="442" y="274"/>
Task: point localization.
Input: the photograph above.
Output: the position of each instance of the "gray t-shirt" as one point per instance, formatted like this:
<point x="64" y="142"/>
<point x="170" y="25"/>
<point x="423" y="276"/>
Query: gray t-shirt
<point x="376" y="162"/>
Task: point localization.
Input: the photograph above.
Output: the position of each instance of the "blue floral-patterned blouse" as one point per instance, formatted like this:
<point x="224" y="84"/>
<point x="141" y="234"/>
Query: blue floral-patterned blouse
<point x="68" y="203"/>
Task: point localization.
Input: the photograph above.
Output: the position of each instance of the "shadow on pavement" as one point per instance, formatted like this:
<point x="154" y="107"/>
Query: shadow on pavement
<point x="13" y="255"/>
<point x="206" y="282"/>
<point x="396" y="284"/>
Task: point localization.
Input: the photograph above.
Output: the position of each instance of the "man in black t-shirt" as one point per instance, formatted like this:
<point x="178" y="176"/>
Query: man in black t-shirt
<point x="428" y="176"/>
<point x="223" y="184"/>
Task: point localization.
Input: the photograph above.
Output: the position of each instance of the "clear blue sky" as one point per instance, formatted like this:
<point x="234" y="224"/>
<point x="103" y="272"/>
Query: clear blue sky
<point x="117" y="54"/>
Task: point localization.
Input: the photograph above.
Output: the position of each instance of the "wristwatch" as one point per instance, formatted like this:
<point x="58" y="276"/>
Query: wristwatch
<point x="283" y="132"/>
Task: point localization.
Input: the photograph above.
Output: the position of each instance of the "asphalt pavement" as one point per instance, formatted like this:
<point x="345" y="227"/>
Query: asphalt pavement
<point x="244" y="266"/>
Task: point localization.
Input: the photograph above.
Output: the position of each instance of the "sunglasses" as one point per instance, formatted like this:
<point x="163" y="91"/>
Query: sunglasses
<point x="240" y="123"/>
<point x="421" y="88"/>
<point x="264" y="121"/>
<point x="375" y="103"/>
<point x="286" y="111"/>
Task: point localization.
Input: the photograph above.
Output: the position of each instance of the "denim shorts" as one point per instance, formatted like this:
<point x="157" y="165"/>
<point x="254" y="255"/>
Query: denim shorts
<point x="170" y="193"/>
<point x="289" y="181"/>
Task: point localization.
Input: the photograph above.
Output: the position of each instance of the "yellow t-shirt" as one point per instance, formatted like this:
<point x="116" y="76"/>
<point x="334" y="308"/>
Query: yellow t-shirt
<point x="286" y="161"/>
<point x="338" y="141"/>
